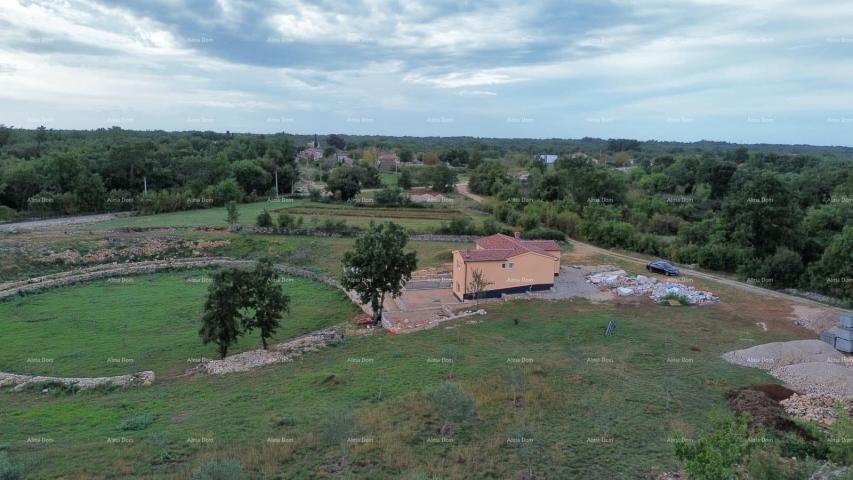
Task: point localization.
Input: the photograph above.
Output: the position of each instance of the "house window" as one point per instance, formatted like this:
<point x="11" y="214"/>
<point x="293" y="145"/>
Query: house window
<point x="507" y="266"/>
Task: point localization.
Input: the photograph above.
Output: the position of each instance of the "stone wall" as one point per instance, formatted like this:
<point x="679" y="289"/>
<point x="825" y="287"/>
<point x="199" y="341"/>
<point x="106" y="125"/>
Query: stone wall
<point x="134" y="379"/>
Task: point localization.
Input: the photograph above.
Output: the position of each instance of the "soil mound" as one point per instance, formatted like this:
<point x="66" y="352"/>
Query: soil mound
<point x="774" y="391"/>
<point x="764" y="411"/>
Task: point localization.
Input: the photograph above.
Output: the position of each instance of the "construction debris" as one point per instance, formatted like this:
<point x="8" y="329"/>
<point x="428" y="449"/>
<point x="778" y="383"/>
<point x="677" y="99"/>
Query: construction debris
<point x="625" y="285"/>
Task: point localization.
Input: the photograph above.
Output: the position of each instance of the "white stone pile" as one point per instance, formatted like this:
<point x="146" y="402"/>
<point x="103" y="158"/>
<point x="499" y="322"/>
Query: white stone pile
<point x="22" y="381"/>
<point x="625" y="285"/>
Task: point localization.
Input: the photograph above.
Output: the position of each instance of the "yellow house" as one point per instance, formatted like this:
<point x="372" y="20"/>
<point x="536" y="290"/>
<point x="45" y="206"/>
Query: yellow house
<point x="508" y="264"/>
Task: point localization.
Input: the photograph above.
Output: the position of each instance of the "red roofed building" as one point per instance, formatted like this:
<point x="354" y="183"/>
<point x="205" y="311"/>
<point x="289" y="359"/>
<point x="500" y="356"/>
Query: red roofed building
<point x="388" y="161"/>
<point x="508" y="264"/>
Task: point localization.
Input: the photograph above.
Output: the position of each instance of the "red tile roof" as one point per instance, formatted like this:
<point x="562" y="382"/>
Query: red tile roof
<point x="501" y="247"/>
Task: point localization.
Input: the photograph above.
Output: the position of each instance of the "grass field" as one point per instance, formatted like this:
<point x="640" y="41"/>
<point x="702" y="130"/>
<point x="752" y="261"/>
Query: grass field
<point x="194" y="218"/>
<point x="419" y="220"/>
<point x="598" y="408"/>
<point x="150" y="322"/>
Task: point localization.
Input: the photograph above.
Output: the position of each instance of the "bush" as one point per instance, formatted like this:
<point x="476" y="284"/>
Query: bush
<point x="650" y="244"/>
<point x="333" y="226"/>
<point x="717" y="452"/>
<point x="769" y="465"/>
<point x="840" y="442"/>
<point x="568" y="222"/>
<point x="139" y="422"/>
<point x="285" y="220"/>
<point x="490" y="226"/>
<point x="718" y="256"/>
<point x="390" y="197"/>
<point x="7" y="213"/>
<point x="459" y="225"/>
<point x="664" y="224"/>
<point x="10" y="470"/>
<point x="220" y="469"/>
<point x="452" y="405"/>
<point x="674" y="296"/>
<point x="264" y="219"/>
<point x="684" y="253"/>
<point x="545" y="234"/>
<point x="315" y="195"/>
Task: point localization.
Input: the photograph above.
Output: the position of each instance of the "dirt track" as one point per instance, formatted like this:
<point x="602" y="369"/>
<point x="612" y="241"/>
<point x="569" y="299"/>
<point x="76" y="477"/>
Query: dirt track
<point x="54" y="222"/>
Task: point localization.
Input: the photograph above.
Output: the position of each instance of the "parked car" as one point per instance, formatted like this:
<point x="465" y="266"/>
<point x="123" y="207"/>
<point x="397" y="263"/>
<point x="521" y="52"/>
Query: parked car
<point x="663" y="267"/>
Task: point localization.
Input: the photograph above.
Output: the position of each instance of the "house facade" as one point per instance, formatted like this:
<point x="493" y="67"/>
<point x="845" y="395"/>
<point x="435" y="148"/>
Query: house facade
<point x="508" y="265"/>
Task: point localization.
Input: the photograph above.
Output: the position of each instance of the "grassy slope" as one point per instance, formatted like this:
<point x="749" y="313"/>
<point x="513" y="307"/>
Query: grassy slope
<point x="146" y="322"/>
<point x="634" y="396"/>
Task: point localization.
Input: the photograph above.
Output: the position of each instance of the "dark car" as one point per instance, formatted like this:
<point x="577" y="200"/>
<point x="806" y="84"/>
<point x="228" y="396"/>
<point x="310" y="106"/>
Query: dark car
<point x="662" y="267"/>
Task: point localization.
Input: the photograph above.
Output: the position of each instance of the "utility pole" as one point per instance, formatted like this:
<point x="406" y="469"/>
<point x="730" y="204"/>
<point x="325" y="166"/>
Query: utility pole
<point x="276" y="182"/>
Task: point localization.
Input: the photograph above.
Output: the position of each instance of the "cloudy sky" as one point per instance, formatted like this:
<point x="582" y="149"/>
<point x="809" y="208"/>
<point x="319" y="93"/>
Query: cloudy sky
<point x="778" y="71"/>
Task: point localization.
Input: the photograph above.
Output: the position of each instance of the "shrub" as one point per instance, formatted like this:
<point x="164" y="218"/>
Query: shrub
<point x="674" y="296"/>
<point x="219" y="469"/>
<point x="7" y="213"/>
<point x="769" y="465"/>
<point x="139" y="422"/>
<point x="390" y="197"/>
<point x="717" y="452"/>
<point x="452" y="405"/>
<point x="56" y="388"/>
<point x="567" y="222"/>
<point x="664" y="224"/>
<point x="315" y="195"/>
<point x="490" y="226"/>
<point x="285" y="220"/>
<point x="649" y="244"/>
<point x="459" y="225"/>
<point x="545" y="234"/>
<point x="10" y="470"/>
<point x="840" y="440"/>
<point x="684" y="254"/>
<point x="264" y="219"/>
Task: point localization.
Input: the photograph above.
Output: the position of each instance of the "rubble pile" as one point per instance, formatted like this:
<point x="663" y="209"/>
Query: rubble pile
<point x="625" y="285"/>
<point x="816" y="407"/>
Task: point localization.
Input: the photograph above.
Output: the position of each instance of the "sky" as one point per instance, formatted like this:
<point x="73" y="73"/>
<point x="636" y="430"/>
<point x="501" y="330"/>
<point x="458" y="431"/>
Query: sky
<point x="757" y="71"/>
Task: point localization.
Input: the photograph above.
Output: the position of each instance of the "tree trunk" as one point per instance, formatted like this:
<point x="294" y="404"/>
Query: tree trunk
<point x="376" y="305"/>
<point x="223" y="350"/>
<point x="264" y="341"/>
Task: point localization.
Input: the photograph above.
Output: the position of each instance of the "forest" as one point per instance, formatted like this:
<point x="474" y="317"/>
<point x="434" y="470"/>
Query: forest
<point x="778" y="216"/>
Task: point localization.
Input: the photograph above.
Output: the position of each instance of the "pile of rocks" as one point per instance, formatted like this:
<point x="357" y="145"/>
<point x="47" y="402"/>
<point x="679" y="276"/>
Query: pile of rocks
<point x="21" y="381"/>
<point x="816" y="407"/>
<point x="625" y="285"/>
<point x="820" y="374"/>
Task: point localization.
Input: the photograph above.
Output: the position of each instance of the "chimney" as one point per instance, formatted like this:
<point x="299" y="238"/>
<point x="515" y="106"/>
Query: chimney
<point x="517" y="234"/>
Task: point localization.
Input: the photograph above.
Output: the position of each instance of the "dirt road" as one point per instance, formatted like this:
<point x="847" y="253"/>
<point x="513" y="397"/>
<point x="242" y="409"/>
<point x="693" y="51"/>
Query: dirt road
<point x="463" y="189"/>
<point x="54" y="222"/>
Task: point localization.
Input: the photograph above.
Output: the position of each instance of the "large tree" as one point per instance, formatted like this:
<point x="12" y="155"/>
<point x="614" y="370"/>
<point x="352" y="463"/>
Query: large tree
<point x="224" y="310"/>
<point x="378" y="265"/>
<point x="268" y="301"/>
